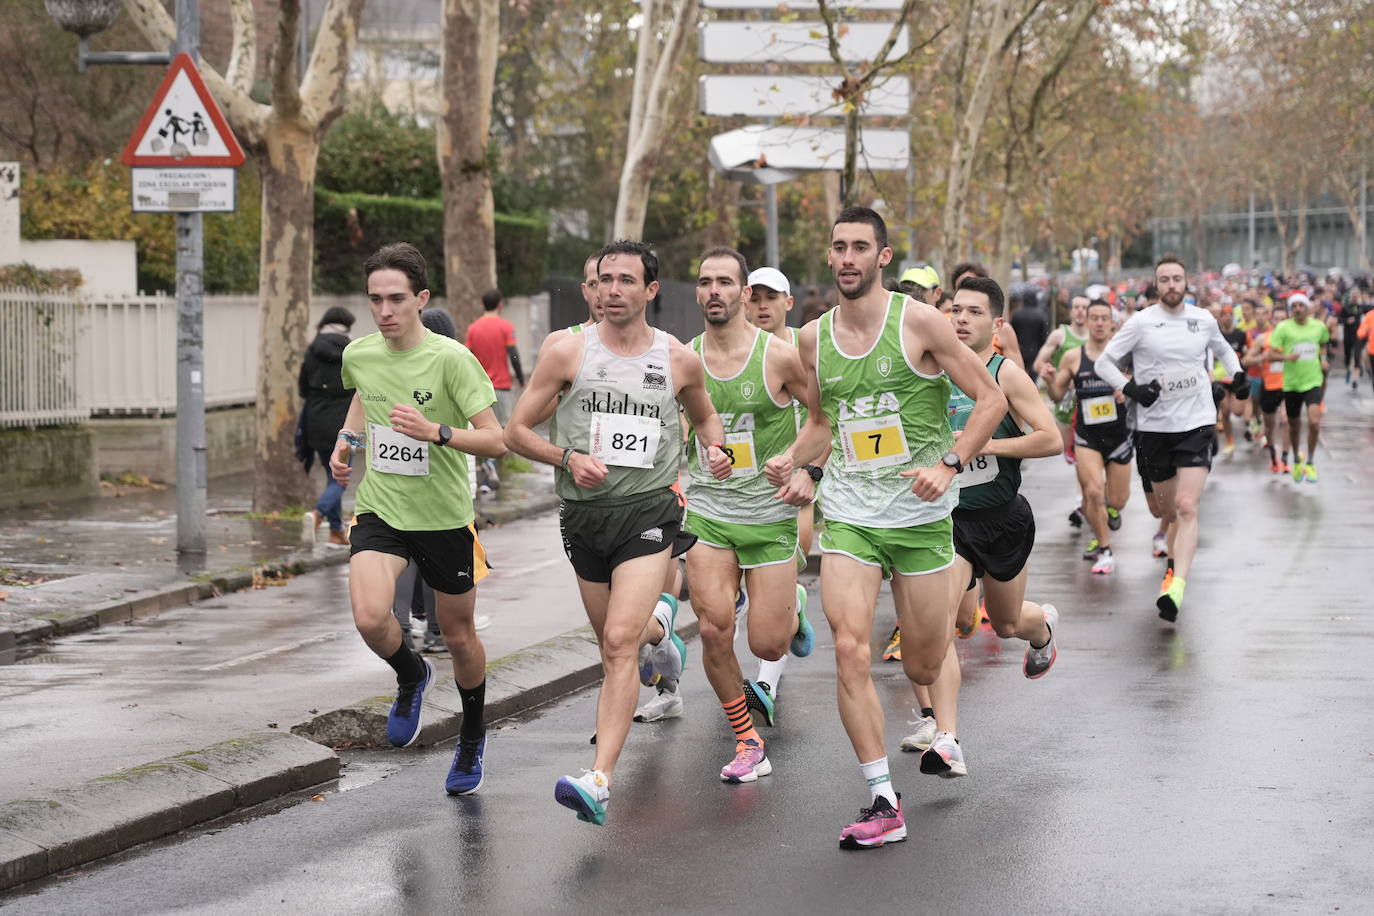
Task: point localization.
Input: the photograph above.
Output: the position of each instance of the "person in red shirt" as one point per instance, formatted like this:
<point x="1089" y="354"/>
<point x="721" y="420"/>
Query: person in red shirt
<point x="491" y="339"/>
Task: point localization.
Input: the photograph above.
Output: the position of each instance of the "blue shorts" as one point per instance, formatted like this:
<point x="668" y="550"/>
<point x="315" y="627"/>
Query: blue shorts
<point x="1255" y="386"/>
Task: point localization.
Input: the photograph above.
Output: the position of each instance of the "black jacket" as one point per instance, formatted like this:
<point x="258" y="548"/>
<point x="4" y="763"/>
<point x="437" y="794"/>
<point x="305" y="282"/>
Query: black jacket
<point x="321" y="386"/>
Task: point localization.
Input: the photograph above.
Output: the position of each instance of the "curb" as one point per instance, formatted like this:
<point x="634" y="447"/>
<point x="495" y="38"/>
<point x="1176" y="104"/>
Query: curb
<point x="180" y="594"/>
<point x="110" y="813"/>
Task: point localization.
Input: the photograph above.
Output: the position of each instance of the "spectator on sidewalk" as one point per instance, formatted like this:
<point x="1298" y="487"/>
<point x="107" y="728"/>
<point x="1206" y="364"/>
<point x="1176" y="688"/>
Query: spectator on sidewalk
<point x="491" y="339"/>
<point x="326" y="405"/>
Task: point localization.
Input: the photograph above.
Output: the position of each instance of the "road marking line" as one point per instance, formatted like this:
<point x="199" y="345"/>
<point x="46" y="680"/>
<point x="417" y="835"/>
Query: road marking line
<point x="268" y="653"/>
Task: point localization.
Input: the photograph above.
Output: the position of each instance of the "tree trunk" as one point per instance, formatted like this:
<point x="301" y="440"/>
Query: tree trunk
<point x="471" y="37"/>
<point x="287" y="166"/>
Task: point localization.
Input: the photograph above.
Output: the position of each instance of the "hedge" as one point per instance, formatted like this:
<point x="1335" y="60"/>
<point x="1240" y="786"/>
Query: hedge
<point x="348" y="227"/>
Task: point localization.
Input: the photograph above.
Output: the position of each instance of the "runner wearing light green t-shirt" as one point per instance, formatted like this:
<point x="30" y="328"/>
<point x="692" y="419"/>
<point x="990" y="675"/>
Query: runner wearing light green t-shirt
<point x="1301" y="342"/>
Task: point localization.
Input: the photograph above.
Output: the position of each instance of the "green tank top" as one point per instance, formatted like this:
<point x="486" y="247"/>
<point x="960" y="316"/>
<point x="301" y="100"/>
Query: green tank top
<point x="756" y="429"/>
<point x="1071" y="341"/>
<point x="986" y="481"/>
<point x="886" y="417"/>
<point x="798" y="410"/>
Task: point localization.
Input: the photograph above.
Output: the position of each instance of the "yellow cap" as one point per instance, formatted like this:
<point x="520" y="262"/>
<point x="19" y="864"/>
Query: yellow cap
<point x="924" y="277"/>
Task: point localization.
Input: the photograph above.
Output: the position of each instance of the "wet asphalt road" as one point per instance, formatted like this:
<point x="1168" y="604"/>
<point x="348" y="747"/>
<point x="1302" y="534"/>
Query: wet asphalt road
<point x="1223" y="766"/>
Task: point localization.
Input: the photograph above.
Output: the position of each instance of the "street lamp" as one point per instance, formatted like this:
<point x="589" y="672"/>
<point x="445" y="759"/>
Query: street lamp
<point x="85" y="18"/>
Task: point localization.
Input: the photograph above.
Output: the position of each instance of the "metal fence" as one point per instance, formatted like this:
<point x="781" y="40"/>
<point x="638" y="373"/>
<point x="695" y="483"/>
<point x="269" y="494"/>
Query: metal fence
<point x="39" y="363"/>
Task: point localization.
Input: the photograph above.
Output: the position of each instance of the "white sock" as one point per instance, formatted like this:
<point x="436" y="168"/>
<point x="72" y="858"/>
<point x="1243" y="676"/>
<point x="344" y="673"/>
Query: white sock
<point x="770" y="673"/>
<point x="663" y="613"/>
<point x="879" y="780"/>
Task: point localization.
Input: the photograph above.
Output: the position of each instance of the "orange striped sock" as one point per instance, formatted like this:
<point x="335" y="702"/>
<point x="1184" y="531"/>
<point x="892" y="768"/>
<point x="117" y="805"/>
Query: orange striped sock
<point x="738" y="714"/>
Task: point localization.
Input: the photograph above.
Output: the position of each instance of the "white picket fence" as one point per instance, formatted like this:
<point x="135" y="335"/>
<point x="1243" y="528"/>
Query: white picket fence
<point x="64" y="358"/>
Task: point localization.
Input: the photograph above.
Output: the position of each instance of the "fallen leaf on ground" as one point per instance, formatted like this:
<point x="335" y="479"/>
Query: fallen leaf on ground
<point x="4" y="595"/>
<point x="317" y="798"/>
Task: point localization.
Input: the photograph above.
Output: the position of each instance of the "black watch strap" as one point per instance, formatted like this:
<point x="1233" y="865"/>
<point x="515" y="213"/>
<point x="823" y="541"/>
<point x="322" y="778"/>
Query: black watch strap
<point x="815" y="471"/>
<point x="445" y="434"/>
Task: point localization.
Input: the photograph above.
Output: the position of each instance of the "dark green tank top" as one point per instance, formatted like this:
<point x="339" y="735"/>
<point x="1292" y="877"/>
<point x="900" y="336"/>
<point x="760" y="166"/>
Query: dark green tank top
<point x="986" y="481"/>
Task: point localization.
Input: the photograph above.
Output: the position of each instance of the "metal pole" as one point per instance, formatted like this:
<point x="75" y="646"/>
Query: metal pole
<point x="911" y="214"/>
<point x="770" y="204"/>
<point x="191" y="472"/>
<point x="1251" y="250"/>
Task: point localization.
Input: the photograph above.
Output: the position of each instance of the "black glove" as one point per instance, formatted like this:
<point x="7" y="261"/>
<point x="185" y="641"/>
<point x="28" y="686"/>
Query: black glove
<point x="1218" y="393"/>
<point x="1144" y="395"/>
<point x="1240" y="386"/>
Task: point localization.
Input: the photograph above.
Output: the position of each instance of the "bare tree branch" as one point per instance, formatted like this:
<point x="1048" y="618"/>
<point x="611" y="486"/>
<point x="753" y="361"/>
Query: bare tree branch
<point x="243" y="54"/>
<point x="322" y="93"/>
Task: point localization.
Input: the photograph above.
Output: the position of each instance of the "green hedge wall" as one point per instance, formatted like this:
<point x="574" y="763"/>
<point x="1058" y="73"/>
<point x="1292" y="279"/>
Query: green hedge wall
<point x="349" y="227"/>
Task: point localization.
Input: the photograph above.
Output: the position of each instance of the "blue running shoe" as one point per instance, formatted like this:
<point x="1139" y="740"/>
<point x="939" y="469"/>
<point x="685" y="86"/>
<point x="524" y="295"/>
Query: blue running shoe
<point x="804" y="640"/>
<point x="403" y="722"/>
<point x="466" y="775"/>
<point x="758" y="696"/>
<point x="587" y="794"/>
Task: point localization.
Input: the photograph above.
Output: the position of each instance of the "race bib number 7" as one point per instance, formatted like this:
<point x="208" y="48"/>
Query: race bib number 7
<point x="872" y="443"/>
<point x="624" y="440"/>
<point x="391" y="452"/>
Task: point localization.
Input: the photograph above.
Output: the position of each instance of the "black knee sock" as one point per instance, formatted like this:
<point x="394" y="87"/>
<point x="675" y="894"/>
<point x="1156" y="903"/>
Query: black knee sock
<point x="927" y="712"/>
<point x="474" y="703"/>
<point x="407" y="665"/>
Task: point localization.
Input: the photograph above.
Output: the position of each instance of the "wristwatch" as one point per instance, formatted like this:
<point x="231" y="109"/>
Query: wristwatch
<point x="951" y="460"/>
<point x="816" y="472"/>
<point x="445" y="434"/>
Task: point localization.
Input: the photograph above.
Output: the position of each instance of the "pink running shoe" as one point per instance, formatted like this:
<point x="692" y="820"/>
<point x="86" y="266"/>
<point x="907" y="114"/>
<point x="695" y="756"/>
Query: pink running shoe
<point x="877" y="825"/>
<point x="749" y="764"/>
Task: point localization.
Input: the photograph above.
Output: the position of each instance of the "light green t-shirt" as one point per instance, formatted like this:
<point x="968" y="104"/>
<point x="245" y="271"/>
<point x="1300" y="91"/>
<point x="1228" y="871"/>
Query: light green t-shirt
<point x="444" y="381"/>
<point x="1307" y="340"/>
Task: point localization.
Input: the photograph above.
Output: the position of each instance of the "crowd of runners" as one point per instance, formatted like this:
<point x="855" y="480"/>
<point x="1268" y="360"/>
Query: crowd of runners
<point x="894" y="425"/>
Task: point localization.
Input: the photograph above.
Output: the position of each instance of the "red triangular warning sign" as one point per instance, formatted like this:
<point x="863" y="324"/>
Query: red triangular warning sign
<point x="183" y="126"/>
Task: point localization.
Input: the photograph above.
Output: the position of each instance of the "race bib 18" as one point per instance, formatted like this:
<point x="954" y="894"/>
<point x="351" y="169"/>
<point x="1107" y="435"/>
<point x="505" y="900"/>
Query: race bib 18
<point x="624" y="440"/>
<point x="872" y="443"/>
<point x="1099" y="410"/>
<point x="391" y="452"/>
<point x="982" y="469"/>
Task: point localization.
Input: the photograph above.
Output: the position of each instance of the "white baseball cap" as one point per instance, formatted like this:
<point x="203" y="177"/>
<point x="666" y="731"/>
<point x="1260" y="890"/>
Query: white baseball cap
<point x="772" y="278"/>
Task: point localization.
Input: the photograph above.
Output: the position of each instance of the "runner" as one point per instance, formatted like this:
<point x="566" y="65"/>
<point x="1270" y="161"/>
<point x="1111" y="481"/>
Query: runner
<point x="1004" y="341"/>
<point x="590" y="296"/>
<point x="886" y="493"/>
<point x="1061" y="340"/>
<point x="1300" y="343"/>
<point x="994" y="527"/>
<point x="617" y="451"/>
<point x="1102" y="436"/>
<point x="416" y="393"/>
<point x="745" y="525"/>
<point x="1231" y="404"/>
<point x="1168" y="344"/>
<point x="1271" y="386"/>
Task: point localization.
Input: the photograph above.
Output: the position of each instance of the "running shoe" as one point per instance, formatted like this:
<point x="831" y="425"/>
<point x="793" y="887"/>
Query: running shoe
<point x="758" y="696"/>
<point x="1283" y="466"/>
<point x="1076" y="517"/>
<point x="1159" y="546"/>
<point x="749" y="764"/>
<point x="1170" y="597"/>
<point x="587" y="794"/>
<point x="804" y="640"/>
<point x="973" y="626"/>
<point x="466" y="775"/>
<point x="1309" y="472"/>
<point x="924" y="735"/>
<point x="1113" y="518"/>
<point x="1093" y="550"/>
<point x="647" y="675"/>
<point x="668" y="658"/>
<point x="1297" y="470"/>
<point x="882" y="823"/>
<point x="666" y="704"/>
<point x="1105" y="564"/>
<point x="1274" y="467"/>
<point x="310" y="527"/>
<point x="1230" y="448"/>
<point x="403" y="722"/>
<point x="1039" y="661"/>
<point x="944" y="757"/>
<point x="741" y="605"/>
<point x="893" y="652"/>
<point x="433" y="645"/>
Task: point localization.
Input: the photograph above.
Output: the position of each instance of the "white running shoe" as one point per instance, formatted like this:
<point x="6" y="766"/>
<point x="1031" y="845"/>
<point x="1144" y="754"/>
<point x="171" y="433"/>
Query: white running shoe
<point x="666" y="704"/>
<point x="310" y="527"/>
<point x="944" y="758"/>
<point x="924" y="735"/>
<point x="1106" y="563"/>
<point x="1039" y="661"/>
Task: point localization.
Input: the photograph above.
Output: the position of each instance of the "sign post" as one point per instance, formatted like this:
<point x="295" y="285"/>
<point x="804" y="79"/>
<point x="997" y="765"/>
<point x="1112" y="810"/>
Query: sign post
<point x="182" y="156"/>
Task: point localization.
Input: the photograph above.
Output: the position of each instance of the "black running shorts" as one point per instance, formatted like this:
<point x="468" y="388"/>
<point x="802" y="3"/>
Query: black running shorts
<point x="1162" y="454"/>
<point x="1270" y="400"/>
<point x="1293" y="401"/>
<point x="997" y="542"/>
<point x="445" y="558"/>
<point x="1117" y="450"/>
<point x="599" y="535"/>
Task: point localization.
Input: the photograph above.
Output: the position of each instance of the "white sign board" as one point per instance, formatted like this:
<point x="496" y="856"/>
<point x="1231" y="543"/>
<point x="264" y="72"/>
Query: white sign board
<point x="183" y="190"/>
<point x="807" y="149"/>
<point x="778" y="96"/>
<point x="793" y="42"/>
<point x="842" y="5"/>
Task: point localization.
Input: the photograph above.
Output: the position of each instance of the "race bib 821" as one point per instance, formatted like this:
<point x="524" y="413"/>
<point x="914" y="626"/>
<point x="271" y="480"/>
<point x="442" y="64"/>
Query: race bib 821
<point x="624" y="440"/>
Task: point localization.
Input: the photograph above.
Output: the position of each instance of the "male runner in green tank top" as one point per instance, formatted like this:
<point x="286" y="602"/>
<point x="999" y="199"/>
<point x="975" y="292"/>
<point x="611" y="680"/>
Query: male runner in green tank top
<point x="590" y="296"/>
<point x="880" y="360"/>
<point x="1062" y="339"/>
<point x="617" y="454"/>
<point x="742" y="525"/>
<point x="994" y="528"/>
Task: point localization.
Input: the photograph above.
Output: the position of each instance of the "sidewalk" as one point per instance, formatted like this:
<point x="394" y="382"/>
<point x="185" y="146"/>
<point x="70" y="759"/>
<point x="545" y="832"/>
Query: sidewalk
<point x="113" y="558"/>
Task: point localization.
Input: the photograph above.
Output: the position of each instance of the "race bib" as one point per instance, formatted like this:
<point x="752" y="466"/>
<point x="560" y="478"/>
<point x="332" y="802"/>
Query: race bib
<point x="1099" y="410"/>
<point x="1305" y="350"/>
<point x="624" y="440"/>
<point x="1180" y="383"/>
<point x="391" y="452"/>
<point x="872" y="443"/>
<point x="982" y="469"/>
<point x="739" y="447"/>
<point x="1276" y="366"/>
